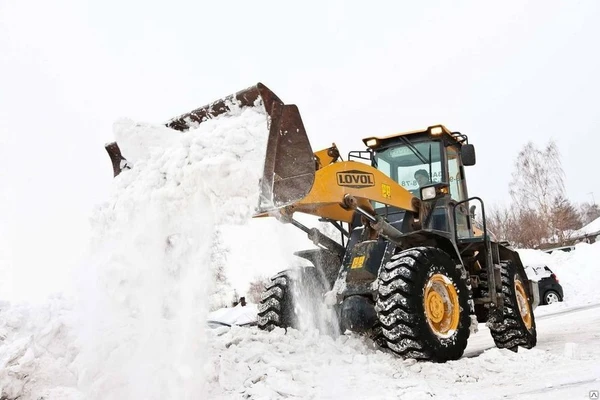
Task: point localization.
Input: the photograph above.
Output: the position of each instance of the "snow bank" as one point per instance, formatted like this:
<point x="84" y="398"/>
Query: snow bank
<point x="577" y="271"/>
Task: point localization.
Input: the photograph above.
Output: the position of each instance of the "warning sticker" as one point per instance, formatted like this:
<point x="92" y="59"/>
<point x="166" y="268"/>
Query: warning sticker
<point x="357" y="262"/>
<point x="386" y="191"/>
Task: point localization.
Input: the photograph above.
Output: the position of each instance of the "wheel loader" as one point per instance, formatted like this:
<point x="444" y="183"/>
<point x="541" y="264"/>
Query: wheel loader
<point x="413" y="269"/>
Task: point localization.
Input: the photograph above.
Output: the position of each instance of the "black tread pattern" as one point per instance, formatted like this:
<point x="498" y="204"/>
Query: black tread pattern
<point x="290" y="296"/>
<point x="274" y="304"/>
<point x="377" y="335"/>
<point x="509" y="330"/>
<point x="400" y="306"/>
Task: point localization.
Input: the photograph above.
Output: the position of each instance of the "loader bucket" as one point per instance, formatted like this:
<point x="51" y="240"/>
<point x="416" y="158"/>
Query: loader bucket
<point x="289" y="168"/>
<point x="119" y="162"/>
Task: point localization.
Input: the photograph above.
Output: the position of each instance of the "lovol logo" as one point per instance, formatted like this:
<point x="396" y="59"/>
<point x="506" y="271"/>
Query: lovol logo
<point x="355" y="179"/>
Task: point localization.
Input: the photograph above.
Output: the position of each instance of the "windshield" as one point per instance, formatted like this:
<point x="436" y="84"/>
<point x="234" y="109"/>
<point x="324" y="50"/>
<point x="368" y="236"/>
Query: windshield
<point x="412" y="165"/>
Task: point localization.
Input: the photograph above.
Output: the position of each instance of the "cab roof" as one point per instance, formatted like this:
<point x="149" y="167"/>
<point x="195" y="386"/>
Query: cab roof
<point x="434" y="130"/>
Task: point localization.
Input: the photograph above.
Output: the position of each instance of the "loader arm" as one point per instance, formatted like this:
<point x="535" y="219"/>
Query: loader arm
<point x="333" y="182"/>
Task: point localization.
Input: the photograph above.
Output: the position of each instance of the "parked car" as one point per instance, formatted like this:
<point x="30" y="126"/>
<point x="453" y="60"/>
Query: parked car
<point x="217" y="324"/>
<point x="562" y="248"/>
<point x="551" y="290"/>
<point x="240" y="315"/>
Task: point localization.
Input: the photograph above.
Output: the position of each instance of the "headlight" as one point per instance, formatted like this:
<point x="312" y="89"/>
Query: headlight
<point x="428" y="193"/>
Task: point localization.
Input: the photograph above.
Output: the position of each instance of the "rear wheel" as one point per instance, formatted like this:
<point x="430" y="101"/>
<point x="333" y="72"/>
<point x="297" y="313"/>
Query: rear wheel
<point x="423" y="305"/>
<point x="293" y="299"/>
<point x="516" y="327"/>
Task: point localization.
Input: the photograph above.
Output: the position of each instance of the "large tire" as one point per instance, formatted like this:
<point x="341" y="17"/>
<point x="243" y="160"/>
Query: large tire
<point x="423" y="305"/>
<point x="482" y="310"/>
<point x="293" y="299"/>
<point x="516" y="326"/>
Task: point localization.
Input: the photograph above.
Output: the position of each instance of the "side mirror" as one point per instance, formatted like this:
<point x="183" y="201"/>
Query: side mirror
<point x="467" y="153"/>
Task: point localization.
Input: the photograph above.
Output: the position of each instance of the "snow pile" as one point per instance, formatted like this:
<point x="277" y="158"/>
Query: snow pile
<point x="36" y="351"/>
<point x="155" y="249"/>
<point x="220" y="161"/>
<point x="577" y="271"/>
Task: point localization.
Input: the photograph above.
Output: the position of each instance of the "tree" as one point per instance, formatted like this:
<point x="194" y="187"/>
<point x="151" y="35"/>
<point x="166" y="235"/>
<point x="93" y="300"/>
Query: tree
<point x="538" y="178"/>
<point x="540" y="212"/>
<point x="521" y="227"/>
<point x="256" y="289"/>
<point x="501" y="223"/>
<point x="589" y="212"/>
<point x="564" y="219"/>
<point x="531" y="230"/>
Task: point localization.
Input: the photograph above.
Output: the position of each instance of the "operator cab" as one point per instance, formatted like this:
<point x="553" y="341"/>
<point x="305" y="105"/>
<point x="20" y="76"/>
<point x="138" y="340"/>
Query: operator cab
<point x="434" y="159"/>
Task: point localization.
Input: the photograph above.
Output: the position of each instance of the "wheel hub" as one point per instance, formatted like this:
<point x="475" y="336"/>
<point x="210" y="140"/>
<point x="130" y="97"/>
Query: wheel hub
<point x="523" y="304"/>
<point x="551" y="298"/>
<point x="442" y="307"/>
<point x="436" y="306"/>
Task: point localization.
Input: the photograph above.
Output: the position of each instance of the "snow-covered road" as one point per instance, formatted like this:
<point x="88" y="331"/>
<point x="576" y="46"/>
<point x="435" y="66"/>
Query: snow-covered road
<point x="572" y="338"/>
<point x="247" y="363"/>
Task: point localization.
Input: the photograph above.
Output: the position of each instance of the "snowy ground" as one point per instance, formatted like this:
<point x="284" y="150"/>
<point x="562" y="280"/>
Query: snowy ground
<point x="248" y="363"/>
<point x="38" y="352"/>
<point x="136" y="326"/>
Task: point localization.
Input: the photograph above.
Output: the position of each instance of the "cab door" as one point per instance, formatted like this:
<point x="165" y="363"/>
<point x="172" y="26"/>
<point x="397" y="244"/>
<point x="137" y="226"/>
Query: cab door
<point x="458" y="191"/>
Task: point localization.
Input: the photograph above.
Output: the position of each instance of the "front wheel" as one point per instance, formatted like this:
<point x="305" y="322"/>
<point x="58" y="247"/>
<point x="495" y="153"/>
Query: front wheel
<point x="517" y="325"/>
<point x="423" y="305"/>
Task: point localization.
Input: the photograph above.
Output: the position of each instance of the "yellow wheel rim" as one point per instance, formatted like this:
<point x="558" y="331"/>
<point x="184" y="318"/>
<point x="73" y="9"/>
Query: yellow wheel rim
<point x="441" y="305"/>
<point x="523" y="303"/>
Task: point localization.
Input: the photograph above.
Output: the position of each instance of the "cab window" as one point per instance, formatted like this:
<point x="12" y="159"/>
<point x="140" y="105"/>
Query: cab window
<point x="412" y="165"/>
<point x="455" y="179"/>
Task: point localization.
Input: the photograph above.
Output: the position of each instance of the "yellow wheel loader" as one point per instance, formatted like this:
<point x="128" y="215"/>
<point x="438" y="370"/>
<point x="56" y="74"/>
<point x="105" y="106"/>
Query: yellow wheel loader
<point x="412" y="269"/>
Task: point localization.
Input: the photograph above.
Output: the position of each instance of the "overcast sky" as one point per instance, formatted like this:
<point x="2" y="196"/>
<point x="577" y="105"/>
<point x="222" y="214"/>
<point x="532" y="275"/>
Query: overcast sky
<point x="502" y="73"/>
